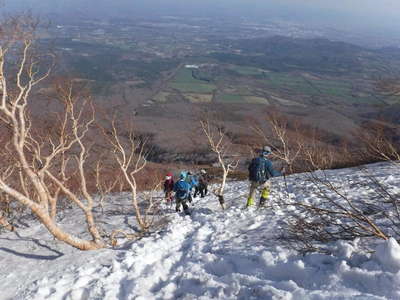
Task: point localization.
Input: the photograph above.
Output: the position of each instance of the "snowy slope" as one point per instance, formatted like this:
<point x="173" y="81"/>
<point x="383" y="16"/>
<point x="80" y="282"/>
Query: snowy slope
<point x="209" y="255"/>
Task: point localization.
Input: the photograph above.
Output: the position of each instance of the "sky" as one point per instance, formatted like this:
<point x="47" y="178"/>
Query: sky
<point x="357" y="14"/>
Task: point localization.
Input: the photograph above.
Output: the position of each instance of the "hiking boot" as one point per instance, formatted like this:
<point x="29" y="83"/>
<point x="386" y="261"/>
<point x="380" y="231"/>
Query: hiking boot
<point x="250" y="202"/>
<point x="262" y="202"/>
<point x="265" y="193"/>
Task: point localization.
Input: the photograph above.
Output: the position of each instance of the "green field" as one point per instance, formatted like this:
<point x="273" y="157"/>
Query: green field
<point x="234" y="98"/>
<point x="283" y="84"/>
<point x="231" y="98"/>
<point x="298" y="84"/>
<point x="184" y="75"/>
<point x="199" y="98"/>
<point x="247" y="71"/>
<point x="185" y="83"/>
<point x="200" y="88"/>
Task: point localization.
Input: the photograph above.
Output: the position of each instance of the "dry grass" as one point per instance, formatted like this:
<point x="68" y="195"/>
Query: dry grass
<point x="199" y="98"/>
<point x="256" y="100"/>
<point x="161" y="97"/>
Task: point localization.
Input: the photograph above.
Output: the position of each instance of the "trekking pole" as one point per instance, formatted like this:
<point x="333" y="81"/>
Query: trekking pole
<point x="286" y="185"/>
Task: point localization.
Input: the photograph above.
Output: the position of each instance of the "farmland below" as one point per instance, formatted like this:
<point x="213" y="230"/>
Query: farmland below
<point x="168" y="76"/>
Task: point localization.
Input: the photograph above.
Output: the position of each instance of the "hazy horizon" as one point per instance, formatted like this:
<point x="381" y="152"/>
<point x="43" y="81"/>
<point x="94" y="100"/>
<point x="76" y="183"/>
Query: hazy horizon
<point x="343" y="14"/>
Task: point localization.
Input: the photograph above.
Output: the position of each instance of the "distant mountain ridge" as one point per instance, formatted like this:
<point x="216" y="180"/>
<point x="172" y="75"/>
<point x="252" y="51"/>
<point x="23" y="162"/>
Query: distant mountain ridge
<point x="319" y="55"/>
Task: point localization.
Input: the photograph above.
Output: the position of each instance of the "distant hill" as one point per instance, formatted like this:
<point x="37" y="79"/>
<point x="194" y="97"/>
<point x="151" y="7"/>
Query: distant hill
<point x="285" y="54"/>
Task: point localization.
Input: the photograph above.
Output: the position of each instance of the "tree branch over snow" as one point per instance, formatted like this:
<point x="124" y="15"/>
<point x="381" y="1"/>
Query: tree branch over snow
<point x="220" y="144"/>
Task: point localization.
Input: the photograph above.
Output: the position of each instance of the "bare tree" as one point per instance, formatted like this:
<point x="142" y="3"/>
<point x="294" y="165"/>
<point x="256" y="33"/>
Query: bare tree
<point x="5" y="200"/>
<point x="105" y="186"/>
<point x="379" y="142"/>
<point x="48" y="164"/>
<point x="300" y="147"/>
<point x="149" y="211"/>
<point x="130" y="154"/>
<point x="284" y="137"/>
<point x="337" y="212"/>
<point x="220" y="144"/>
<point x="40" y="161"/>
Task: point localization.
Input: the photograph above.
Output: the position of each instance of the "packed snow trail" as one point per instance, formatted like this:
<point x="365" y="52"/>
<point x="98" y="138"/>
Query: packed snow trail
<point x="231" y="254"/>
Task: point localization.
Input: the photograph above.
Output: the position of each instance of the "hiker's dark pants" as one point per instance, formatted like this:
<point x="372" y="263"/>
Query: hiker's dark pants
<point x="168" y="196"/>
<point x="196" y="191"/>
<point x="202" y="189"/>
<point x="180" y="202"/>
<point x="190" y="197"/>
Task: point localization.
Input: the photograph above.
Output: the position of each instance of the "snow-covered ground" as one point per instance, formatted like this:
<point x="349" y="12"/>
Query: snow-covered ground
<point x="213" y="254"/>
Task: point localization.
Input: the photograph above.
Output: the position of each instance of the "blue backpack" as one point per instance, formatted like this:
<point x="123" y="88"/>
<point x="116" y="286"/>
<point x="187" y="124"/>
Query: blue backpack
<point x="181" y="189"/>
<point x="258" y="170"/>
<point x="195" y="180"/>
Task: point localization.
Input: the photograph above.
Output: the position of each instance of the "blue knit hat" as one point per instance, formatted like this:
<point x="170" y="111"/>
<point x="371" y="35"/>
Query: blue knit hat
<point x="183" y="175"/>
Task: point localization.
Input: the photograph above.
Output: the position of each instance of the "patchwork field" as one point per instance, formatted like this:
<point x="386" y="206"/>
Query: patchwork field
<point x="230" y="98"/>
<point x="191" y="87"/>
<point x="256" y="100"/>
<point x="199" y="98"/>
<point x="248" y="71"/>
<point x="252" y="85"/>
<point x="186" y="83"/>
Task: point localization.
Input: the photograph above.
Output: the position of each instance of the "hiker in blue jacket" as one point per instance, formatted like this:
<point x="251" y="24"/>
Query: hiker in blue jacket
<point x="260" y="170"/>
<point x="182" y="193"/>
<point x="192" y="180"/>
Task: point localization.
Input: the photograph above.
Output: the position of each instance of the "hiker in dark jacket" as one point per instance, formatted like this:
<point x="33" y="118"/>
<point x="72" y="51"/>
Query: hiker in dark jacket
<point x="182" y="193"/>
<point x="168" y="187"/>
<point x="260" y="170"/>
<point x="202" y="187"/>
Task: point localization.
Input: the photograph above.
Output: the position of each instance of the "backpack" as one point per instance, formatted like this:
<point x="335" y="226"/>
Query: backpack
<point x="168" y="185"/>
<point x="258" y="171"/>
<point x="195" y="180"/>
<point x="203" y="180"/>
<point x="181" y="189"/>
